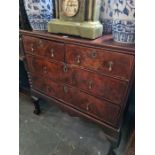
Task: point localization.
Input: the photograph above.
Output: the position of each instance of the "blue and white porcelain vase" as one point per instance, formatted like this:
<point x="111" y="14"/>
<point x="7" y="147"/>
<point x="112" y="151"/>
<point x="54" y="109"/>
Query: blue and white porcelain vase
<point x="124" y="21"/>
<point x="106" y="15"/>
<point x="39" y="12"/>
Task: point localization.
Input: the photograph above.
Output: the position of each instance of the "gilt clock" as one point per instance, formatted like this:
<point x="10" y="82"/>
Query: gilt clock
<point x="77" y="17"/>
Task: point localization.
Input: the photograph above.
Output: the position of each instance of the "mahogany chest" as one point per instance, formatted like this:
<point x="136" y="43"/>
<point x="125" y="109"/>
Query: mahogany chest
<point x="91" y="78"/>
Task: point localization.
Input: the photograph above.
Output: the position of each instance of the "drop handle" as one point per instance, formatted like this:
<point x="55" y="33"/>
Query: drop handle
<point x="90" y="84"/>
<point x="52" y="53"/>
<point x="110" y="65"/>
<point x="78" y="61"/>
<point x="65" y="88"/>
<point x="88" y="107"/>
<point x="32" y="48"/>
<point x="40" y="43"/>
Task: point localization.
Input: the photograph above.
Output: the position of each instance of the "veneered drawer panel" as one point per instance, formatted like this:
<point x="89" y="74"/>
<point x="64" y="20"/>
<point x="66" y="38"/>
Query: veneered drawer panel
<point x="30" y="44"/>
<point x="53" y="50"/>
<point x="99" y="109"/>
<point x="56" y="71"/>
<point x="110" y="63"/>
<point x="44" y="85"/>
<point x="46" y="48"/>
<point x="98" y="85"/>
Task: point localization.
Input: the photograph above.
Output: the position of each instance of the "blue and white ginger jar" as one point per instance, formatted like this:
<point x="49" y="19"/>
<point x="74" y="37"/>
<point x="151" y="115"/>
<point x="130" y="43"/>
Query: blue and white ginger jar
<point x="106" y="15"/>
<point x="39" y="12"/>
<point x="124" y="21"/>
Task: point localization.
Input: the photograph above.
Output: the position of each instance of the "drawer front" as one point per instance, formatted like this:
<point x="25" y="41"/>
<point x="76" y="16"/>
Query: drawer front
<point x="53" y="50"/>
<point x="46" y="48"/>
<point x="101" y="86"/>
<point x="99" y="109"/>
<point x="30" y="44"/>
<point x="110" y="63"/>
<point x="54" y="70"/>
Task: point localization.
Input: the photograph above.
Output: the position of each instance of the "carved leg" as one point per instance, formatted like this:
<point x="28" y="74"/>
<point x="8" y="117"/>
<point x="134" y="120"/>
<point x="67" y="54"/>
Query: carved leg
<point x="36" y="100"/>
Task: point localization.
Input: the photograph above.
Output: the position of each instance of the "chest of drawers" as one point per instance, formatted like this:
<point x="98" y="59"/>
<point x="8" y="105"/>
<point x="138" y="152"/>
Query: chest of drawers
<point x="91" y="78"/>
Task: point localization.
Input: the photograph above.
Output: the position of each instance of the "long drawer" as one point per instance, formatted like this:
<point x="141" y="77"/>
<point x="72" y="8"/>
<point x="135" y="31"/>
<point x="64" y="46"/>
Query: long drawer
<point x="110" y="63"/>
<point x="95" y="84"/>
<point x="98" y="85"/>
<point x="46" y="48"/>
<point x="88" y="104"/>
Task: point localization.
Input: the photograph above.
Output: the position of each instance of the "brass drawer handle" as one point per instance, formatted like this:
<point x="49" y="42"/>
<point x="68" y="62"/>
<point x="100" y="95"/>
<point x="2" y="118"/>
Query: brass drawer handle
<point x="32" y="48"/>
<point x="40" y="43"/>
<point x="78" y="61"/>
<point x="45" y="69"/>
<point x="90" y="84"/>
<point x="65" y="68"/>
<point x="110" y="64"/>
<point x="52" y="53"/>
<point x="93" y="54"/>
<point x="65" y="88"/>
<point x="88" y="107"/>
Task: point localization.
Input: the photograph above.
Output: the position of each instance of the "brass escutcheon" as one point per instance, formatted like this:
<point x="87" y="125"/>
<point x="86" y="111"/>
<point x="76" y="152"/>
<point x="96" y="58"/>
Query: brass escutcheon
<point x="65" y="69"/>
<point x="93" y="54"/>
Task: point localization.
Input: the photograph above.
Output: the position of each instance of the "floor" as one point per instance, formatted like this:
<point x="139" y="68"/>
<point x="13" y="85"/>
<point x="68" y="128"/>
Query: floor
<point x="56" y="133"/>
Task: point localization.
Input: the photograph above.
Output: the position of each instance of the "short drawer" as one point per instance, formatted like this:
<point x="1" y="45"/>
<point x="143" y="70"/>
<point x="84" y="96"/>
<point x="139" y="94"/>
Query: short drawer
<point x="110" y="63"/>
<point x="88" y="104"/>
<point x="30" y="44"/>
<point x="98" y="85"/>
<point x="56" y="71"/>
<point x="46" y="48"/>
